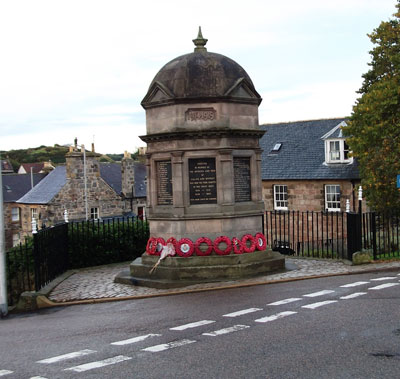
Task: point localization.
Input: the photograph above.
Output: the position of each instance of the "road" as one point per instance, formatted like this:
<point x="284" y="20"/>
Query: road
<point x="338" y="327"/>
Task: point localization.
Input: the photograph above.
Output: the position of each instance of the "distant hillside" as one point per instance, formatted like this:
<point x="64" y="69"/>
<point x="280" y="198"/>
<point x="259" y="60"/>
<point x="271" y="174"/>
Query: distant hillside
<point x="56" y="154"/>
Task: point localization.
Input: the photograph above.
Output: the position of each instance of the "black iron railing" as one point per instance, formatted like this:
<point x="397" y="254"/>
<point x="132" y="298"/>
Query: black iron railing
<point x="54" y="250"/>
<point x="307" y="234"/>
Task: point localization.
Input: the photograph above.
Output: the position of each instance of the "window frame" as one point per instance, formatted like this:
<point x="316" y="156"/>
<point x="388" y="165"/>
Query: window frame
<point x="36" y="212"/>
<point x="276" y="206"/>
<point x="94" y="211"/>
<point x="343" y="148"/>
<point x="338" y="201"/>
<point x="15" y="218"/>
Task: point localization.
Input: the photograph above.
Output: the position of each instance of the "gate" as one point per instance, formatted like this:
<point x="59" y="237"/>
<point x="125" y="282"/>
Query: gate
<point x="51" y="254"/>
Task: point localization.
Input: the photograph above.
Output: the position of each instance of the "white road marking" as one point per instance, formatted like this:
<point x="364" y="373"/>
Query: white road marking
<point x="98" y="364"/>
<point x="353" y="295"/>
<point x="320" y="304"/>
<point x="382" y="286"/>
<point x="219" y="332"/>
<point x="37" y="377"/>
<point x="383" y="278"/>
<point x="355" y="284"/>
<point x="64" y="357"/>
<point x="192" y="325"/>
<point x="275" y="317"/>
<point x="319" y="293"/>
<point x="5" y="372"/>
<point x="166" y="346"/>
<point x="135" y="339"/>
<point x="286" y="301"/>
<point x="242" y="312"/>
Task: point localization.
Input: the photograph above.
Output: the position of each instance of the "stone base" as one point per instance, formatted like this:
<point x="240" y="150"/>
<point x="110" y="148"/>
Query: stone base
<point x="175" y="272"/>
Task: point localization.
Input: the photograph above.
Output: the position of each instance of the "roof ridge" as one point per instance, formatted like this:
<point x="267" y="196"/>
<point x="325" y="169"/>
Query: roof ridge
<point x="298" y="121"/>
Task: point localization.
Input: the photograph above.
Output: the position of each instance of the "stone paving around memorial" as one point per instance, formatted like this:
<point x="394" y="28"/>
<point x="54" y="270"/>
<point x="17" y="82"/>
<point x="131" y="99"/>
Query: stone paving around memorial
<point x="98" y="282"/>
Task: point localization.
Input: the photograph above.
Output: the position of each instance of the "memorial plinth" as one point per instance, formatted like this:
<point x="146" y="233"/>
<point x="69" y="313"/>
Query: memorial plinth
<point x="204" y="191"/>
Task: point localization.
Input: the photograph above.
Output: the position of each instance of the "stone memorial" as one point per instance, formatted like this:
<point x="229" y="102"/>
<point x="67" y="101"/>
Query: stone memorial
<point x="204" y="191"/>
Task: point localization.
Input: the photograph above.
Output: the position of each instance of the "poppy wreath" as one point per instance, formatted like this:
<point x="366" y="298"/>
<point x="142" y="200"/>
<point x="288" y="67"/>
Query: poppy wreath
<point x="248" y="237"/>
<point x="159" y="241"/>
<point x="151" y="246"/>
<point x="228" y="248"/>
<point x="185" y="247"/>
<point x="199" y="242"/>
<point x="173" y="241"/>
<point x="237" y="245"/>
<point x="261" y="242"/>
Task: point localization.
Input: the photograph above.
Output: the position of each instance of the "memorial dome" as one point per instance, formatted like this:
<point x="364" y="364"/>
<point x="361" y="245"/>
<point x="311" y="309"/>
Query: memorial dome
<point x="201" y="76"/>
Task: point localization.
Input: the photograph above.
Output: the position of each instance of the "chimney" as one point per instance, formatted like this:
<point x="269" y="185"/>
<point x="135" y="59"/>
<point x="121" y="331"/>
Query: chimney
<point x="128" y="175"/>
<point x="92" y="147"/>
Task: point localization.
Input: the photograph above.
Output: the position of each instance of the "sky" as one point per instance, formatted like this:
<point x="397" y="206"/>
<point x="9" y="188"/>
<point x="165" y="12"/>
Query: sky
<point x="81" y="68"/>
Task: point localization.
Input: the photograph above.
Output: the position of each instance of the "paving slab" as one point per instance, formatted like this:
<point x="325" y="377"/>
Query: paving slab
<point x="97" y="283"/>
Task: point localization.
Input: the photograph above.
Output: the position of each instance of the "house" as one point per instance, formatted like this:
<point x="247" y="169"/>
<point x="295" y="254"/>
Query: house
<point x="6" y="166"/>
<point x="306" y="166"/>
<point x="43" y="167"/>
<point x="86" y="188"/>
<point x="14" y="187"/>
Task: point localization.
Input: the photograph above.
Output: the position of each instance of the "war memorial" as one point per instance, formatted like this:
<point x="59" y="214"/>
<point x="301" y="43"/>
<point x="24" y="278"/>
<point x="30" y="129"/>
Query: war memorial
<point x="204" y="193"/>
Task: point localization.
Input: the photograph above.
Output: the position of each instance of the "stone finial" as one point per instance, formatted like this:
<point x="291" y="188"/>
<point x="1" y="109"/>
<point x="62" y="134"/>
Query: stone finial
<point x="200" y="42"/>
<point x="82" y="148"/>
<point x="360" y="193"/>
<point x="66" y="216"/>
<point x="34" y="226"/>
<point x="92" y="147"/>
<point x="347" y="205"/>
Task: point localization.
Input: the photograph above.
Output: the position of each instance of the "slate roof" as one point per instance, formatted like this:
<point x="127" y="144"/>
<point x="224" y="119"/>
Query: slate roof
<point x="140" y="179"/>
<point x="111" y="173"/>
<point x="47" y="188"/>
<point x="44" y="192"/>
<point x="17" y="185"/>
<point x="302" y="153"/>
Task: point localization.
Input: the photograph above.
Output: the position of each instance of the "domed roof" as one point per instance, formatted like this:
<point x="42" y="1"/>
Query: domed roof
<point x="201" y="76"/>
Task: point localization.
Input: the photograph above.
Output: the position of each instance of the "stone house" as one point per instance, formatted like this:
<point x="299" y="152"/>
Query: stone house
<point x="306" y="167"/>
<point x="14" y="187"/>
<point x="111" y="189"/>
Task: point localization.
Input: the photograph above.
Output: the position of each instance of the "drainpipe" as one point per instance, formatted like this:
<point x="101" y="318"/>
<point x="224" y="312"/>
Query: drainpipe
<point x="3" y="281"/>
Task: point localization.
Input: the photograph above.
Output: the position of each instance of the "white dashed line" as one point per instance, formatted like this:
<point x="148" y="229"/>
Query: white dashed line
<point x="355" y="284"/>
<point x="5" y="372"/>
<point x="192" y="325"/>
<point x="319" y="293"/>
<point x="64" y="357"/>
<point x="98" y="364"/>
<point x="353" y="295"/>
<point x="134" y="339"/>
<point x="320" y="304"/>
<point x="275" y="317"/>
<point x="166" y="346"/>
<point x="286" y="301"/>
<point x="232" y="329"/>
<point x="383" y="278"/>
<point x="382" y="286"/>
<point x="37" y="377"/>
<point x="242" y="312"/>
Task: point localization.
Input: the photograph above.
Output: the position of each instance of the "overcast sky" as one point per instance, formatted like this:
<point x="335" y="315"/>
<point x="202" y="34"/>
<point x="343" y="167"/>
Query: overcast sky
<point x="81" y="68"/>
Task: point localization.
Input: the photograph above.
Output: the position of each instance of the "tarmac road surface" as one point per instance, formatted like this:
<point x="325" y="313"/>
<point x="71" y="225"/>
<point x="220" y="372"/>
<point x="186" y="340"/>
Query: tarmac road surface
<point x="335" y="327"/>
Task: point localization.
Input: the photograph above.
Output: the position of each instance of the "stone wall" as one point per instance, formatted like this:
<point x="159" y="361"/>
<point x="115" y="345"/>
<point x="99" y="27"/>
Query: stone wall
<point x="309" y="195"/>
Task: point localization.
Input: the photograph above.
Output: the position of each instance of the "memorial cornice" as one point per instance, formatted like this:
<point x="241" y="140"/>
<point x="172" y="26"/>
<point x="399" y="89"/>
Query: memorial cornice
<point x="194" y="134"/>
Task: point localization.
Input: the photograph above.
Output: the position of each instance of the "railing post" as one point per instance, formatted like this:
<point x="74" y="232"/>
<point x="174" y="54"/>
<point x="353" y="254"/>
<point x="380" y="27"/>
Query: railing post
<point x="36" y="260"/>
<point x="373" y="230"/>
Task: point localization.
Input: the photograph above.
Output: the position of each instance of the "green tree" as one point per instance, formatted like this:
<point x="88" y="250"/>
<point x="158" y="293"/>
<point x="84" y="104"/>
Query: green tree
<point x="374" y="126"/>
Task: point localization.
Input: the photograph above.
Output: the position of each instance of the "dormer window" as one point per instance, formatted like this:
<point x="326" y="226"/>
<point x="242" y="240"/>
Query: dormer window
<point x="337" y="151"/>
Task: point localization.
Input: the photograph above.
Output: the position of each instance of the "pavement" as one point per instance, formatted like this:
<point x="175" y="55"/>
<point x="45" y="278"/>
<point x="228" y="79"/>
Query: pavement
<point x="96" y="284"/>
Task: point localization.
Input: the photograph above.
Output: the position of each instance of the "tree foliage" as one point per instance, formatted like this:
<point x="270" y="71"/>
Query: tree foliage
<point x="374" y="126"/>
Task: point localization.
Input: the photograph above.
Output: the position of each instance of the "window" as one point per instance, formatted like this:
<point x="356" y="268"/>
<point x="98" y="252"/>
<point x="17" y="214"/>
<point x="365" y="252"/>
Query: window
<point x="15" y="212"/>
<point x="34" y="214"/>
<point x="332" y="198"/>
<point x="280" y="197"/>
<point x="94" y="213"/>
<point x="16" y="239"/>
<point x="337" y="151"/>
